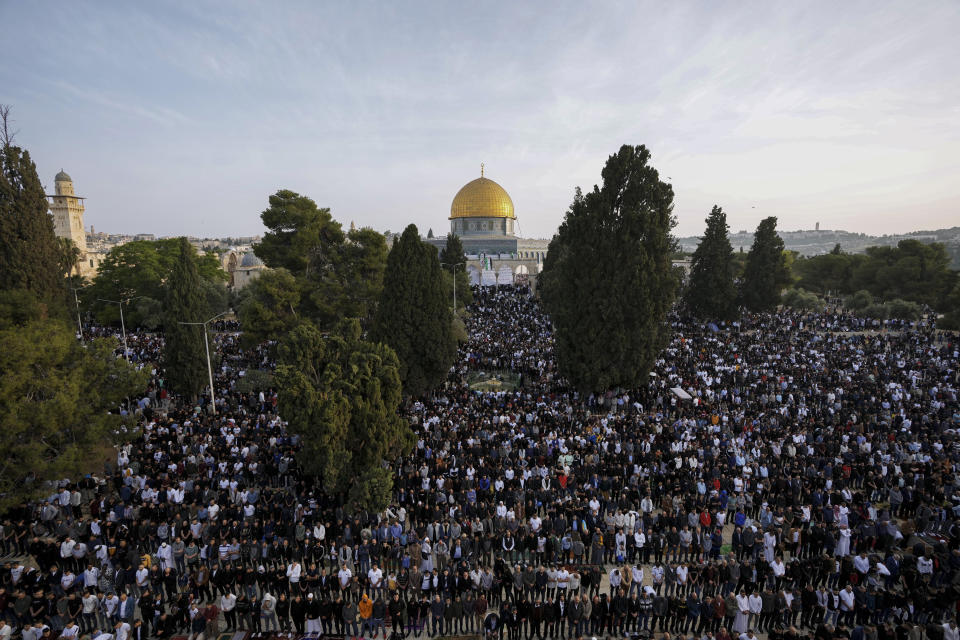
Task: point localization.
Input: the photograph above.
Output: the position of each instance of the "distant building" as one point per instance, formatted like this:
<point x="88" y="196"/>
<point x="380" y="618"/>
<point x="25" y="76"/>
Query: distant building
<point x="67" y="210"/>
<point x="482" y="214"/>
<point x="243" y="266"/>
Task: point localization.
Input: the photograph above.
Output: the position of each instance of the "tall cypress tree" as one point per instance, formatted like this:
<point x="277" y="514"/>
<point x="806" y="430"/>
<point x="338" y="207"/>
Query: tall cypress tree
<point x="413" y="316"/>
<point x="607" y="280"/>
<point x="765" y="273"/>
<point x="29" y="252"/>
<point x="184" y="352"/>
<point x="712" y="293"/>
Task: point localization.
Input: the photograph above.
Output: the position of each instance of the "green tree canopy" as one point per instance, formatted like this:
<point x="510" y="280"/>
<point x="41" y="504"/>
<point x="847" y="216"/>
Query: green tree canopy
<point x="350" y="287"/>
<point x="184" y="351"/>
<point x="913" y="271"/>
<point x="30" y="255"/>
<point x="334" y="274"/>
<point x="267" y="307"/>
<point x="300" y="237"/>
<point x="607" y="281"/>
<point x="712" y="292"/>
<point x="832" y="272"/>
<point x="766" y="273"/>
<point x="141" y="269"/>
<point x="951" y="309"/>
<point x="340" y="394"/>
<point x="414" y="316"/>
<point x="55" y="399"/>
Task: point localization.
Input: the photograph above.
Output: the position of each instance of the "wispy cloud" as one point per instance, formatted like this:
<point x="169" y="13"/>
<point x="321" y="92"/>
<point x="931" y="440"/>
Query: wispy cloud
<point x="158" y="114"/>
<point x="383" y="111"/>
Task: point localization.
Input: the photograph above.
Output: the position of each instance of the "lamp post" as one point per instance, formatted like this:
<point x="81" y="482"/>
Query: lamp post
<point x="206" y="342"/>
<point x="454" y="272"/>
<point x="123" y="327"/>
<point x="76" y="299"/>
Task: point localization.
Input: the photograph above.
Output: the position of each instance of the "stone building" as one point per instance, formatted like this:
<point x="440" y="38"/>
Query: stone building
<point x="67" y="210"/>
<point x="243" y="266"/>
<point x="482" y="214"/>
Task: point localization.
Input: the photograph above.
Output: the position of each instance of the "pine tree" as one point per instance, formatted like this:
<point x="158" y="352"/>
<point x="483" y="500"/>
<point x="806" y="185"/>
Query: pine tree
<point x="56" y="399"/>
<point x="765" y="273"/>
<point x="712" y="292"/>
<point x="184" y="352"/>
<point x="414" y="316"/>
<point x="30" y="256"/>
<point x="607" y="281"/>
<point x="300" y="235"/>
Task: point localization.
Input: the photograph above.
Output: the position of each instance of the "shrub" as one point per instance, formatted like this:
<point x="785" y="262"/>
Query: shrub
<point x="858" y="301"/>
<point x="801" y="299"/>
<point x="903" y="309"/>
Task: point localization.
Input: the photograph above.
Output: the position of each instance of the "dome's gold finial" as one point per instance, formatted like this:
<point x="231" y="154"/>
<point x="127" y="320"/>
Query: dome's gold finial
<point x="481" y="169"/>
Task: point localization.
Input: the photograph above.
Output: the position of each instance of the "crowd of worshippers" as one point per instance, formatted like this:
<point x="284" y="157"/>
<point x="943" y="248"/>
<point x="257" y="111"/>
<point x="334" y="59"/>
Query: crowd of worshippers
<point x="809" y="487"/>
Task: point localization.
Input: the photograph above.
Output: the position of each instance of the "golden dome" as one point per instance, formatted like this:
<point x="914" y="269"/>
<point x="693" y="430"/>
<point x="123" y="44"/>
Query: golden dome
<point x="482" y="198"/>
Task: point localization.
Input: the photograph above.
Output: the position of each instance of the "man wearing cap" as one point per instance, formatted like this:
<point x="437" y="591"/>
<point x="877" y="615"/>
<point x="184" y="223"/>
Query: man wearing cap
<point x="313" y="615"/>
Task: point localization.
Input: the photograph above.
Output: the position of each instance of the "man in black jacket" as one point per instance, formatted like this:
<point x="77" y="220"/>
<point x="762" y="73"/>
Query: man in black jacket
<point x="396" y="608"/>
<point x="575" y="616"/>
<point x="659" y="610"/>
<point x="437" y="609"/>
<point x="537" y="614"/>
<point x="549" y="618"/>
<point x="620" y="608"/>
<point x="522" y="613"/>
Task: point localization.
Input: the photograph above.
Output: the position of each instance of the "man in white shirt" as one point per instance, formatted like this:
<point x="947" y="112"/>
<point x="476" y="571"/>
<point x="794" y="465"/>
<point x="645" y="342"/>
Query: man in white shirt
<point x="110" y="604"/>
<point x="344" y="576"/>
<point x="375" y="576"/>
<point x="950" y="630"/>
<point x="228" y="604"/>
<point x="755" y="602"/>
<point x="91" y="575"/>
<point x="143" y="578"/>
<point x="636" y="574"/>
<point x="615" y="580"/>
<point x="779" y="570"/>
<point x="682" y="572"/>
<point x="121" y="631"/>
<point x="66" y="552"/>
<point x="293" y="573"/>
<point x="656" y="576"/>
<point x="847" y="605"/>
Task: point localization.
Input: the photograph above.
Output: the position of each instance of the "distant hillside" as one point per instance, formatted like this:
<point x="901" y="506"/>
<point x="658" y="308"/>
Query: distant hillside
<point x="817" y="242"/>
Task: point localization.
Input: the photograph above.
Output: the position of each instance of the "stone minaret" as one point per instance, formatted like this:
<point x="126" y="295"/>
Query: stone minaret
<point x="67" y="210"/>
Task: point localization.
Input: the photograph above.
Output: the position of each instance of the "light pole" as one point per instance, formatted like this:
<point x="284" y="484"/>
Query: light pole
<point x="454" y="272"/>
<point x="76" y="299"/>
<point x="123" y="327"/>
<point x="206" y="342"/>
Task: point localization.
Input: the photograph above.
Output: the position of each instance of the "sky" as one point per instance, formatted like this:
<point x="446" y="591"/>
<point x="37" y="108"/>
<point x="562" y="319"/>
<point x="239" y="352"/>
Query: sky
<point x="183" y="117"/>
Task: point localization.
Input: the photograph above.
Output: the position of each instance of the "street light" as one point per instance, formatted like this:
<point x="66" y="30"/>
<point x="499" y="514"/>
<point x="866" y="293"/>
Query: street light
<point x="206" y="342"/>
<point x="76" y="299"/>
<point x="123" y="326"/>
<point x="454" y="272"/>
